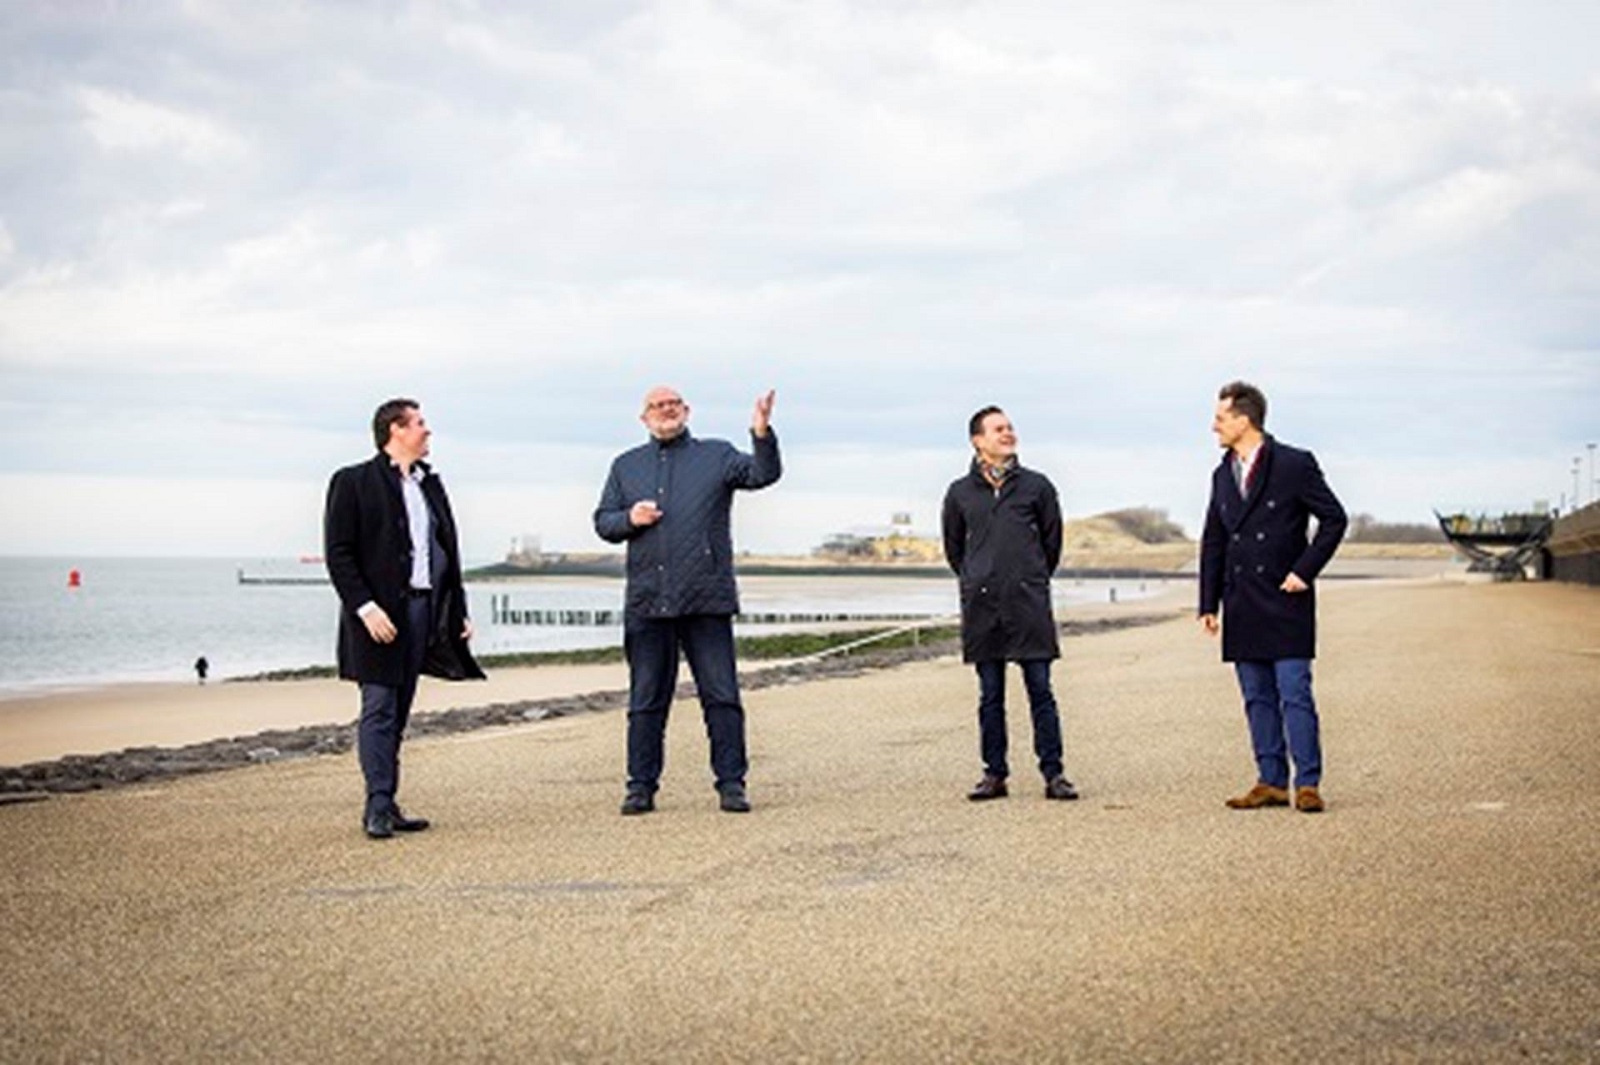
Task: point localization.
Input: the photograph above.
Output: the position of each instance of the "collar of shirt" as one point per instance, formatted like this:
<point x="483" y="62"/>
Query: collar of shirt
<point x="1248" y="464"/>
<point x="419" y="471"/>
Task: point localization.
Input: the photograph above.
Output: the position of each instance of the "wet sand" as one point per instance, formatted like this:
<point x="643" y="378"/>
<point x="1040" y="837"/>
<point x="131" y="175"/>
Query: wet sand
<point x="1444" y="908"/>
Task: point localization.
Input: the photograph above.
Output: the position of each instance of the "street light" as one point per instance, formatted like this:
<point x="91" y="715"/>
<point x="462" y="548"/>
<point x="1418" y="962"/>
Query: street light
<point x="1594" y="486"/>
<point x="1577" y="464"/>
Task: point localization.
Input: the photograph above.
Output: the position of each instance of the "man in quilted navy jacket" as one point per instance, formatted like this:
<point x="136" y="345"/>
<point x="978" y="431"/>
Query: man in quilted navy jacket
<point x="669" y="501"/>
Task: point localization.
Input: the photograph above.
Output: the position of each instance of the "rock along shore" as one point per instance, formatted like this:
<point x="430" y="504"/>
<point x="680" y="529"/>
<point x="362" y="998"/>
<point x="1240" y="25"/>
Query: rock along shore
<point x="133" y="765"/>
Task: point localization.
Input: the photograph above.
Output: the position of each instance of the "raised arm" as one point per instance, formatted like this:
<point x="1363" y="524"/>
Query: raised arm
<point x="761" y="467"/>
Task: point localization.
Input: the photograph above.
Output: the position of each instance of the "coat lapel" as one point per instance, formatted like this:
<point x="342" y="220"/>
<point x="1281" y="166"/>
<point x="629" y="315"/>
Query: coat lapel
<point x="1258" y="483"/>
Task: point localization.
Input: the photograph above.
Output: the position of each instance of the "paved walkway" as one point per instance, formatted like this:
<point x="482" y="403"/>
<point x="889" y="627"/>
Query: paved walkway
<point x="1445" y="908"/>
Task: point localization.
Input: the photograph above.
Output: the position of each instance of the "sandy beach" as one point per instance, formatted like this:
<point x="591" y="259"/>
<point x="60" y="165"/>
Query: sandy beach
<point x="112" y="717"/>
<point x="1444" y="908"/>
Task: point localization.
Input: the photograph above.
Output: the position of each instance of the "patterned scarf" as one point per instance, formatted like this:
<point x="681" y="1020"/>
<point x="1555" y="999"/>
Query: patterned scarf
<point x="997" y="475"/>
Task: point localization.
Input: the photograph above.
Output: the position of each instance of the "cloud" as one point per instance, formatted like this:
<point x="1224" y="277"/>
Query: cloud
<point x="121" y="122"/>
<point x="231" y="230"/>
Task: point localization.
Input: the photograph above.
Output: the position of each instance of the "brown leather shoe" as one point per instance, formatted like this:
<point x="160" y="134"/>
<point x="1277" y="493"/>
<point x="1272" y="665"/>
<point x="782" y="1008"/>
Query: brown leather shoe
<point x="988" y="788"/>
<point x="1259" y="796"/>
<point x="1307" y="801"/>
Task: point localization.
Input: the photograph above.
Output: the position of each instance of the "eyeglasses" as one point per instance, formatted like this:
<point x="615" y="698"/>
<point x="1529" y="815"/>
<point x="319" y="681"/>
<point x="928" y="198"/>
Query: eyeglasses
<point x="664" y="404"/>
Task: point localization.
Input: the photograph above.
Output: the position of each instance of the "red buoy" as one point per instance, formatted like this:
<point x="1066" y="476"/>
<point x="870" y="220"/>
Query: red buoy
<point x="74" y="579"/>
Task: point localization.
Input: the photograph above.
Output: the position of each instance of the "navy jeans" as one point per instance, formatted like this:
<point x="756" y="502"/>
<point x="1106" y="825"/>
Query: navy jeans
<point x="386" y="709"/>
<point x="652" y="645"/>
<point x="992" y="716"/>
<point x="1278" y="703"/>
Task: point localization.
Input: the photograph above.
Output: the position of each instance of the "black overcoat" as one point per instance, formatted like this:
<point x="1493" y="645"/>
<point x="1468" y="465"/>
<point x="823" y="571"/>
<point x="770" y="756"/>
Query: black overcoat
<point x="683" y="564"/>
<point x="1250" y="544"/>
<point x="367" y="545"/>
<point x="1004" y="545"/>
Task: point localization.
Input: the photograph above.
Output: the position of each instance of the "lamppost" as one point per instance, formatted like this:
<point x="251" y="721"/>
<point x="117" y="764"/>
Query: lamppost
<point x="1594" y="486"/>
<point x="1577" y="464"/>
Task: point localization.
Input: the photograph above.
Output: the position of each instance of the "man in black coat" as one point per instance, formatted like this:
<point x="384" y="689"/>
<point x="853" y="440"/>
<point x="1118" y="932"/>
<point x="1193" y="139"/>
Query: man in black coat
<point x="391" y="548"/>
<point x="1258" y="565"/>
<point x="669" y="500"/>
<point x="1002" y="536"/>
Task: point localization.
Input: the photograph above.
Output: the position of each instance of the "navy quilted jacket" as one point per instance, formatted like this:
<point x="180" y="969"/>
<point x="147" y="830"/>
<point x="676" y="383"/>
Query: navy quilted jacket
<point x="683" y="564"/>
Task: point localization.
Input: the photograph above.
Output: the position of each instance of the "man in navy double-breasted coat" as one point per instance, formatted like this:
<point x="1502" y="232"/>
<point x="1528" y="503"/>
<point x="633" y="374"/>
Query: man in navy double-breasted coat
<point x="669" y="500"/>
<point x="1258" y="569"/>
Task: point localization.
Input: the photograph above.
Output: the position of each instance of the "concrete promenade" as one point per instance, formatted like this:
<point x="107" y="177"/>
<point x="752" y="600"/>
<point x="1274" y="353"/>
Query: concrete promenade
<point x="1445" y="908"/>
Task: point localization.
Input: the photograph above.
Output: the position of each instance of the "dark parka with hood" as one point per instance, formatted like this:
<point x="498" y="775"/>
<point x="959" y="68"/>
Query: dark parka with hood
<point x="1004" y="544"/>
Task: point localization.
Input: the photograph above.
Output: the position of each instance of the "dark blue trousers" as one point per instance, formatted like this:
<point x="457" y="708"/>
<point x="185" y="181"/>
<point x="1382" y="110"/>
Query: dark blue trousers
<point x="652" y="646"/>
<point x="385" y="709"/>
<point x="1278" y="705"/>
<point x="992" y="716"/>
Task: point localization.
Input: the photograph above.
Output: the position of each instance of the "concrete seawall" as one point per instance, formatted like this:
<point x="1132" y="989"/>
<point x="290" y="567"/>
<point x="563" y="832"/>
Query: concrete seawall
<point x="1575" y="547"/>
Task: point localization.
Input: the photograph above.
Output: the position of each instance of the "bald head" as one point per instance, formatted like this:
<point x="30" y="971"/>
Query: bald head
<point x="665" y="414"/>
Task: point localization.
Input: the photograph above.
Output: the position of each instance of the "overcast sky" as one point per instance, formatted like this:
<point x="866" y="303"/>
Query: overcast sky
<point x="228" y="230"/>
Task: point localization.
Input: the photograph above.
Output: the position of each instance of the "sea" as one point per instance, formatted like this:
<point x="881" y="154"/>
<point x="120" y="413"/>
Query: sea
<point x="148" y="619"/>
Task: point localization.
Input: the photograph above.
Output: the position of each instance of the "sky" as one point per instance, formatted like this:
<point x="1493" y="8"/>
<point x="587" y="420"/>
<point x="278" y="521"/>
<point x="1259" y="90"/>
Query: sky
<point x="229" y="230"/>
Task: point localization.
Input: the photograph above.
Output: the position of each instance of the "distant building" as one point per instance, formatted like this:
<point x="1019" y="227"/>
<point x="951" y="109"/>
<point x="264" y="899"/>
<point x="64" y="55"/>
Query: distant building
<point x="525" y="550"/>
<point x="898" y="541"/>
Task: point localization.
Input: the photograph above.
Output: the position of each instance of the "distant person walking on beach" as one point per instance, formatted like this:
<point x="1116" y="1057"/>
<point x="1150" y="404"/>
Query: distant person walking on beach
<point x="1258" y="567"/>
<point x="1002" y="536"/>
<point x="669" y="500"/>
<point x="391" y="549"/>
<point x="201" y="668"/>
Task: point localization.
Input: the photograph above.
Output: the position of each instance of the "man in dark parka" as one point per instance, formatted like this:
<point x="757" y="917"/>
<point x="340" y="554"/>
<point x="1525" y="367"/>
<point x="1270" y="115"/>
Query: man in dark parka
<point x="391" y="548"/>
<point x="1002" y="537"/>
<point x="1258" y="566"/>
<point x="669" y="500"/>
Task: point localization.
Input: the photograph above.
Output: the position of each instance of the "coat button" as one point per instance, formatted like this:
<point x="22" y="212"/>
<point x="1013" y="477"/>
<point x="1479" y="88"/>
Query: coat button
<point x="1261" y="569"/>
<point x="1261" y="536"/>
<point x="1235" y="537"/>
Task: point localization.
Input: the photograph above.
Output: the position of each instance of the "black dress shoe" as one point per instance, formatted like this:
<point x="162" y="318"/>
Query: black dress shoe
<point x="733" y="799"/>
<point x="1059" y="788"/>
<point x="401" y="823"/>
<point x="988" y="788"/>
<point x="637" y="802"/>
<point x="379" y="824"/>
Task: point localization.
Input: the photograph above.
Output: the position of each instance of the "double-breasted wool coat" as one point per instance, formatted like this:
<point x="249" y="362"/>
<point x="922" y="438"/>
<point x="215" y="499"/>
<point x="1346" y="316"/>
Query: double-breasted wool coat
<point x="367" y="547"/>
<point x="1252" y="542"/>
<point x="1004" y="544"/>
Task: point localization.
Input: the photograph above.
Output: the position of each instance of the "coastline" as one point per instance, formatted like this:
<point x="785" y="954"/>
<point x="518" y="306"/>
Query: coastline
<point x="84" y="741"/>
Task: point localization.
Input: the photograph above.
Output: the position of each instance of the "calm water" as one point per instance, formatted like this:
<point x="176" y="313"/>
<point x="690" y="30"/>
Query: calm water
<point x="148" y="619"/>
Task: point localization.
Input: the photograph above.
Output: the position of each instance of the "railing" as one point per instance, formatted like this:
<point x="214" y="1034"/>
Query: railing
<point x="878" y="637"/>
